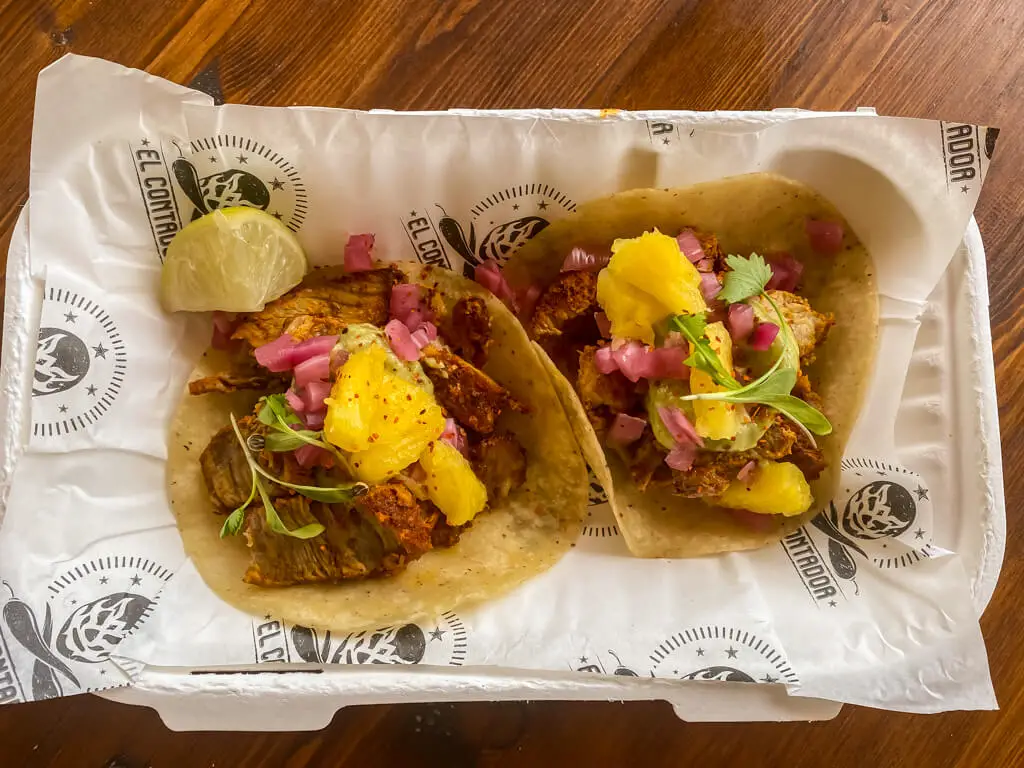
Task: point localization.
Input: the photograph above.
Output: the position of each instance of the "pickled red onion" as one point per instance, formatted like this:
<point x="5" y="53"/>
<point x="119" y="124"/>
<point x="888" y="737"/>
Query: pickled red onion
<point x="679" y="426"/>
<point x="313" y="395"/>
<point x="295" y="402"/>
<point x="709" y="285"/>
<point x="314" y="420"/>
<point x="786" y="272"/>
<point x="454" y="436"/>
<point x="626" y="429"/>
<point x="667" y="363"/>
<point x="311" y="455"/>
<point x="631" y="359"/>
<point x="224" y="324"/>
<point x="277" y="355"/>
<point x="690" y="245"/>
<point x="581" y="260"/>
<point x="405" y="299"/>
<point x="401" y="341"/>
<point x="746" y="474"/>
<point x="314" y="369"/>
<point x="763" y="336"/>
<point x="681" y="457"/>
<point x="490" y="277"/>
<point x="826" y="237"/>
<point x="526" y="299"/>
<point x="357" y="253"/>
<point x="604" y="360"/>
<point x="740" y="321"/>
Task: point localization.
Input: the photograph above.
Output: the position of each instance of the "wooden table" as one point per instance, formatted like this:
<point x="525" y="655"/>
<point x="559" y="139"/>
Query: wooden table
<point x="953" y="59"/>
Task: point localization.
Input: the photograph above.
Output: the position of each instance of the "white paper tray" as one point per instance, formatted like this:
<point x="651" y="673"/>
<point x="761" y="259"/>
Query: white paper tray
<point x="952" y="377"/>
<point x="949" y="396"/>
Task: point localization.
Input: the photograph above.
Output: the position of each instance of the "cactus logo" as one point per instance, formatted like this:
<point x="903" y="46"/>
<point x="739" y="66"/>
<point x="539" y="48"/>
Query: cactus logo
<point x="442" y="643"/>
<point x="179" y="183"/>
<point x="493" y="229"/>
<point x="66" y="648"/>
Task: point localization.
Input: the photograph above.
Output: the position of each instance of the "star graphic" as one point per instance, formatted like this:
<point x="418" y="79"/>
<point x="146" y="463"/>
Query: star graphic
<point x="665" y="141"/>
<point x="278" y="184"/>
<point x="103" y="671"/>
<point x="136" y="581"/>
<point x="831" y="603"/>
<point x="515" y="206"/>
<point x="242" y="159"/>
<point x="266" y="617"/>
<point x="74" y="602"/>
<point x="543" y="205"/>
<point x="700" y="651"/>
<point x="100" y="351"/>
<point x="769" y="679"/>
<point x="91" y="390"/>
<point x="276" y="215"/>
<point x="436" y="634"/>
<point x="70" y="317"/>
<point x="145" y="142"/>
<point x="731" y="652"/>
<point x="104" y="579"/>
<point x="922" y="493"/>
<point x="63" y="409"/>
<point x="584" y="660"/>
<point x="213" y="159"/>
<point x="965" y="189"/>
<point x="919" y="533"/>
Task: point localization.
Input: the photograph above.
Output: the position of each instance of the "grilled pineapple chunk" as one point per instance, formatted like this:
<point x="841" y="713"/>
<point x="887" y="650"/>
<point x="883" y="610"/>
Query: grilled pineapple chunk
<point x="351" y="407"/>
<point x="777" y="488"/>
<point x="451" y="483"/>
<point x="714" y="419"/>
<point x="647" y="279"/>
<point x="384" y="421"/>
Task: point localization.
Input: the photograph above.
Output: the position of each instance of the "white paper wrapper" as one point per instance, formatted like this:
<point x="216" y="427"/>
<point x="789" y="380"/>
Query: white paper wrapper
<point x="862" y="606"/>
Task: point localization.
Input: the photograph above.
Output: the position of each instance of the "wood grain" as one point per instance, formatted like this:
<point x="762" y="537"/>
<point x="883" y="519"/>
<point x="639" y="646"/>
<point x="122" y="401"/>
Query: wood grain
<point x="929" y="58"/>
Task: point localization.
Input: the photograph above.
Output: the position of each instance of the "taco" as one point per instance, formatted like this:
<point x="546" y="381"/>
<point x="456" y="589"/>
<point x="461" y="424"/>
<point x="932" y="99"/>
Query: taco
<point x="712" y="345"/>
<point x="373" y="447"/>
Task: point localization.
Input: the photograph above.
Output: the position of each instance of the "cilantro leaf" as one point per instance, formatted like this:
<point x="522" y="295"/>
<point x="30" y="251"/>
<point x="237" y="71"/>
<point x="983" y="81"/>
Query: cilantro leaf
<point x="774" y="387"/>
<point x="746" y="278"/>
<point x="276" y="408"/>
<point x="273" y="519"/>
<point x="277" y="525"/>
<point x="233" y="523"/>
<point x="281" y="441"/>
<point x="703" y="357"/>
<point x="798" y="411"/>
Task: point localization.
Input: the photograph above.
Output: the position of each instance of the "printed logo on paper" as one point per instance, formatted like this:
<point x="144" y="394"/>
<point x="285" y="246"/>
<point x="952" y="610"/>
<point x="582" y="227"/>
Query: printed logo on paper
<point x="717" y="652"/>
<point x="665" y="134"/>
<point x="881" y="519"/>
<point x="964" y="149"/>
<point x="495" y="227"/>
<point x="600" y="522"/>
<point x="80" y="364"/>
<point x="608" y="663"/>
<point x="65" y="647"/>
<point x="179" y="182"/>
<point x="441" y="643"/>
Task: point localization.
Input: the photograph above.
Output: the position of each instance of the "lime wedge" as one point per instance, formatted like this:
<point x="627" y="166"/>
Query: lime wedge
<point x="234" y="260"/>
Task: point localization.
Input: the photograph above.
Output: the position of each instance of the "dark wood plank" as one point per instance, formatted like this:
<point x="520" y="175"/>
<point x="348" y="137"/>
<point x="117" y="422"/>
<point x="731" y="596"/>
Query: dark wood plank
<point x="926" y="58"/>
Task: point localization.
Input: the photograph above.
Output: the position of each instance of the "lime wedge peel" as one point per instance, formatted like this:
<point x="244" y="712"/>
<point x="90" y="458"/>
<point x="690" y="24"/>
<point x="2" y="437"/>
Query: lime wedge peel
<point x="233" y="260"/>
